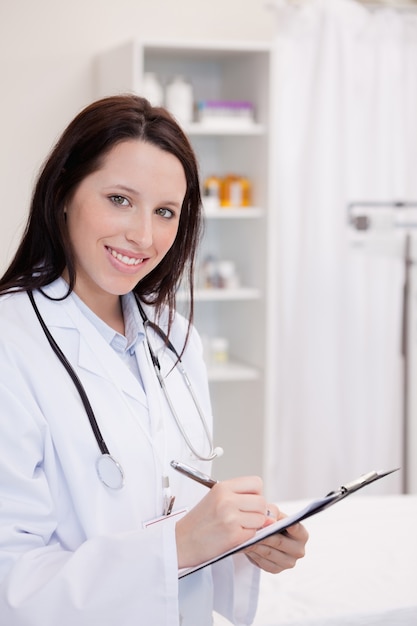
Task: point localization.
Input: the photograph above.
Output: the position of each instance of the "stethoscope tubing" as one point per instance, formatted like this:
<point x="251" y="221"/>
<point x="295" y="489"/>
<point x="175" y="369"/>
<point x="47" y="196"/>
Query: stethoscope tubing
<point x="157" y="367"/>
<point x="78" y="384"/>
<point x="108" y="468"/>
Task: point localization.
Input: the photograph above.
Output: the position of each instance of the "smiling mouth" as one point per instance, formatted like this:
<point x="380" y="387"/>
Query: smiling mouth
<point x="127" y="260"/>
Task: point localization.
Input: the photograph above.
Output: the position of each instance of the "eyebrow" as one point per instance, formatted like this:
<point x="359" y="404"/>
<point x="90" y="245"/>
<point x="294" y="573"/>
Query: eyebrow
<point x="122" y="187"/>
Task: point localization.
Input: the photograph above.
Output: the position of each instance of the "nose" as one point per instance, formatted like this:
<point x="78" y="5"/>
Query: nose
<point x="140" y="230"/>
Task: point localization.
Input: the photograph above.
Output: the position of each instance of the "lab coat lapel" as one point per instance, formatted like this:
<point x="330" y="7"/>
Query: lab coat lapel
<point x="94" y="353"/>
<point x="96" y="356"/>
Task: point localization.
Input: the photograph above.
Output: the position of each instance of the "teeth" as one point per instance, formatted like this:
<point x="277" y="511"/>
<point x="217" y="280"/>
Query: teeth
<point x="125" y="259"/>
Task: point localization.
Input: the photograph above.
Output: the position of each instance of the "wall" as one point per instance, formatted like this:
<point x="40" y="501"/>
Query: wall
<point x="47" y="51"/>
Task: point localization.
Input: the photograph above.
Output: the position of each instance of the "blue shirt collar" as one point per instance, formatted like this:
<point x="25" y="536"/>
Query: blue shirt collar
<point x="134" y="332"/>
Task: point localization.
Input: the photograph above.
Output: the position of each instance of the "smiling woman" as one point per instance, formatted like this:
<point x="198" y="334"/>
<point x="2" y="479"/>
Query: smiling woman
<point x="88" y="306"/>
<point x="118" y="239"/>
<point x="83" y="150"/>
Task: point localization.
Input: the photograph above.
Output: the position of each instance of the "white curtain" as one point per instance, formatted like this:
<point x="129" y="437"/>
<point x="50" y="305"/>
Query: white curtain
<point x="346" y="113"/>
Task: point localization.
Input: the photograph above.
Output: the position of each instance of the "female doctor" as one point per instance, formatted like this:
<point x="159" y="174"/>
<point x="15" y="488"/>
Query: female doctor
<point x="95" y="404"/>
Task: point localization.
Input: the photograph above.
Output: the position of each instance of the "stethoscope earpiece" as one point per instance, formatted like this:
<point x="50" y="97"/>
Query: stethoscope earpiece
<point x="218" y="451"/>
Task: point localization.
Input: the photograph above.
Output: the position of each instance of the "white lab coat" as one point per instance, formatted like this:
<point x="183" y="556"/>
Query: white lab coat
<point x="73" y="551"/>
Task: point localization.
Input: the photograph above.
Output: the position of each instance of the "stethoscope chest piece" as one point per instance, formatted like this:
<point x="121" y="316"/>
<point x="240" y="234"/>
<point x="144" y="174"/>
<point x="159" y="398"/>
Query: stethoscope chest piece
<point x="110" y="471"/>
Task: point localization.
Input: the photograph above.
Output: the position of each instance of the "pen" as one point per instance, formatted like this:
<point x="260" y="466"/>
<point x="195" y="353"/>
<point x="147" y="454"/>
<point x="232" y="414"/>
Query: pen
<point x="194" y="474"/>
<point x="201" y="478"/>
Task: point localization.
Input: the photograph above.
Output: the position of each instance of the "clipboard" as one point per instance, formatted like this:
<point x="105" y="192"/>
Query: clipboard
<point x="311" y="509"/>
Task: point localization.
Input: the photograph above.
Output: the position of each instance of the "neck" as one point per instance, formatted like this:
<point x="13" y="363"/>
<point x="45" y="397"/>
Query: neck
<point x="114" y="318"/>
<point x="106" y="306"/>
<point x="109" y="310"/>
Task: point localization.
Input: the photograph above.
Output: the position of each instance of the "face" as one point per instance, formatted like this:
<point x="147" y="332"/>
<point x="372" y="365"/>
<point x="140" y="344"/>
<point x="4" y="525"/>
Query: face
<point x="123" y="219"/>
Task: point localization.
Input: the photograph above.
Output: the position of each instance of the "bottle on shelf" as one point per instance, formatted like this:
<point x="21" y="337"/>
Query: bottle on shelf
<point x="227" y="275"/>
<point x="225" y="112"/>
<point x="179" y="99"/>
<point x="219" y="350"/>
<point x="235" y="191"/>
<point x="211" y="192"/>
<point x="152" y="89"/>
<point x="209" y="277"/>
<point x="218" y="274"/>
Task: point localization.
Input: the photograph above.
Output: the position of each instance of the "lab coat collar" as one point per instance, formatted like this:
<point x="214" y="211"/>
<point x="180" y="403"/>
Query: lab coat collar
<point x="94" y="353"/>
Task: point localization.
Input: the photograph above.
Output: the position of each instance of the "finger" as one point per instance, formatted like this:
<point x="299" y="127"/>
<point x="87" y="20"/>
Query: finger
<point x="282" y="542"/>
<point x="271" y="560"/>
<point x="244" y="484"/>
<point x="273" y="512"/>
<point x="297" y="532"/>
<point x="277" y="555"/>
<point x="257" y="519"/>
<point x="252" y="503"/>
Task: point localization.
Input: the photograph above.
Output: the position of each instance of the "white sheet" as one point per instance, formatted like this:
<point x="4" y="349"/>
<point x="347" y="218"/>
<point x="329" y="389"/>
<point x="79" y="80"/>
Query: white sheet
<point x="360" y="568"/>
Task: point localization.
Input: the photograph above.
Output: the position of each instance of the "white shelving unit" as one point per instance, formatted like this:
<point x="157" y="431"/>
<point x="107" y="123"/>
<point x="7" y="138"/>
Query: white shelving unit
<point x="239" y="388"/>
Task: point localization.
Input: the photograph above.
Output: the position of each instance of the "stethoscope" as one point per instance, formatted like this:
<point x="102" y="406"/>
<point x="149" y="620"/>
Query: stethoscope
<point x="109" y="470"/>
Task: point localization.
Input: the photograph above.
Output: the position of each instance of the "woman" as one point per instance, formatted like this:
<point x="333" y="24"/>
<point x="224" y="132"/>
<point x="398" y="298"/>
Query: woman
<point x="87" y="437"/>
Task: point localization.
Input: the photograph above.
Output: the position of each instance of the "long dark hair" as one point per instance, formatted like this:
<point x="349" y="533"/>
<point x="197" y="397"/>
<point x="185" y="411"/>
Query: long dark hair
<point x="45" y="250"/>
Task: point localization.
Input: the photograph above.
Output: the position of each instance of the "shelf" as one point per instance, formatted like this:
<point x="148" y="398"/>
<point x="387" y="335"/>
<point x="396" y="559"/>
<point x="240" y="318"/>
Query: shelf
<point x="211" y="49"/>
<point x="226" y="213"/>
<point x="212" y="295"/>
<point x="221" y="128"/>
<point x="230" y="371"/>
<point x="219" y="70"/>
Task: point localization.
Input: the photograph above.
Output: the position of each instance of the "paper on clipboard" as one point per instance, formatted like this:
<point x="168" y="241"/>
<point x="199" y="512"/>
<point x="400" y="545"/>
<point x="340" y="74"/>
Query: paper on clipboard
<point x="311" y="509"/>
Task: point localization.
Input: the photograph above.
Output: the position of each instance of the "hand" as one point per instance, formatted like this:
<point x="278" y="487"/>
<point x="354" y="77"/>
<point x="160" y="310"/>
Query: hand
<point x="280" y="551"/>
<point x="228" y="515"/>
